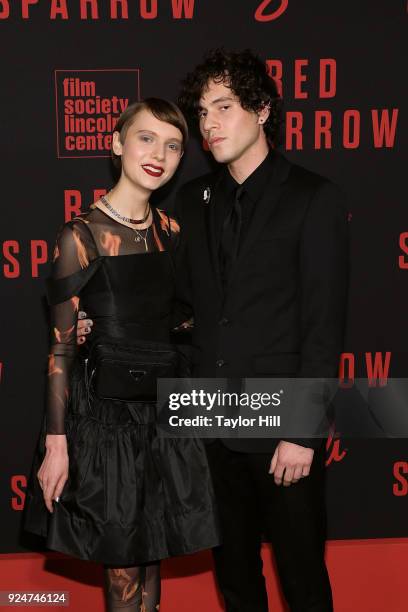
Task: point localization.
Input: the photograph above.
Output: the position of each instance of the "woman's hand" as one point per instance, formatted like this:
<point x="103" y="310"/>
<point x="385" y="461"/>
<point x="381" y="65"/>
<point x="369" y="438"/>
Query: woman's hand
<point x="53" y="472"/>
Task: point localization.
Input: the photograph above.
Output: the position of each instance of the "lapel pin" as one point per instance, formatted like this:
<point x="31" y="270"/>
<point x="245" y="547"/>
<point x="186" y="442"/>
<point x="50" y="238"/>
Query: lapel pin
<point x="207" y="195"/>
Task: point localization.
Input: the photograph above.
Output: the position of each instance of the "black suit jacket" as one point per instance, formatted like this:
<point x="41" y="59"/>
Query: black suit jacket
<point x="283" y="313"/>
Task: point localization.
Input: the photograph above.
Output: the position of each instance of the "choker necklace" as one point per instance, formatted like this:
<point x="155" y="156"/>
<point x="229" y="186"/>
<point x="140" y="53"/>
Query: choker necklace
<point x="126" y="219"/>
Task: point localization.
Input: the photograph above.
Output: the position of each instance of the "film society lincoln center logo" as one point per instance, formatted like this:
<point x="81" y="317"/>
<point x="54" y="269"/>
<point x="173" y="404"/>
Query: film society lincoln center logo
<point x="88" y="106"/>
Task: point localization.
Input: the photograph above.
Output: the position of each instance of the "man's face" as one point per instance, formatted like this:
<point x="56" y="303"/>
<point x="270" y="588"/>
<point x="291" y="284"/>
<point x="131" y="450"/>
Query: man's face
<point x="231" y="131"/>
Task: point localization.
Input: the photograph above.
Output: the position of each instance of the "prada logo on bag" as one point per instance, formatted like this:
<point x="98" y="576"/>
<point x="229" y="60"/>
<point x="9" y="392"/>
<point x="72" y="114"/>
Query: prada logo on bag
<point x="137" y="374"/>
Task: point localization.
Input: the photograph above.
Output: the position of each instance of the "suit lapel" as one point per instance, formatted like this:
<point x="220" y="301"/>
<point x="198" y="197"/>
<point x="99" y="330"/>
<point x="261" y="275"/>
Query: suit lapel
<point x="264" y="208"/>
<point x="213" y="218"/>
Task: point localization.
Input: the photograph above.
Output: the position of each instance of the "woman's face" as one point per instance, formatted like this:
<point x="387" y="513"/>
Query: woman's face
<point x="151" y="152"/>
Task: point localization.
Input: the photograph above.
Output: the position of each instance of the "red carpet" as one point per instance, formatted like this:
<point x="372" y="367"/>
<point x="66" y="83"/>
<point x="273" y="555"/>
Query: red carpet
<point x="366" y="575"/>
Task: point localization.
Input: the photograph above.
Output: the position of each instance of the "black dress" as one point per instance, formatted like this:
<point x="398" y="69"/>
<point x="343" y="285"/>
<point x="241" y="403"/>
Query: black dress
<point x="132" y="497"/>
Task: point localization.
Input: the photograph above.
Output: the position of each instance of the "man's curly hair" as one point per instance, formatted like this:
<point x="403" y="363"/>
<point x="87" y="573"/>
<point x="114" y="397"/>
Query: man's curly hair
<point x="246" y="75"/>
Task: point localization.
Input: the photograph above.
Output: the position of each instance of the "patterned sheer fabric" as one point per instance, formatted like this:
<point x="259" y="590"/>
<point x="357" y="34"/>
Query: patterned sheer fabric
<point x="134" y="497"/>
<point x="133" y="589"/>
<point x="80" y="244"/>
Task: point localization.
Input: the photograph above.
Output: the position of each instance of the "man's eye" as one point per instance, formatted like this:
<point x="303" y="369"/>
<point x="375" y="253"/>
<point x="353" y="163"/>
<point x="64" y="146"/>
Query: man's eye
<point x="146" y="138"/>
<point x="225" y="107"/>
<point x="201" y="114"/>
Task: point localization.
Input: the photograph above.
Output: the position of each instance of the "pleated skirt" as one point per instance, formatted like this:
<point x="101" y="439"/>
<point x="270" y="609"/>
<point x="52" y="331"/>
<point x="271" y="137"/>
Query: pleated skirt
<point x="132" y="496"/>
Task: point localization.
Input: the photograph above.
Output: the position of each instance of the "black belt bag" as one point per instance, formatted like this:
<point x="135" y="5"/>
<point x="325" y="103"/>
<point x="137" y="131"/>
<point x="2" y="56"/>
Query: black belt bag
<point x="129" y="373"/>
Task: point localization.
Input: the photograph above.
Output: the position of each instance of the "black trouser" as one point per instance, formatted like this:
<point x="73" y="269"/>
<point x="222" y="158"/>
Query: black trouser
<point x="293" y="518"/>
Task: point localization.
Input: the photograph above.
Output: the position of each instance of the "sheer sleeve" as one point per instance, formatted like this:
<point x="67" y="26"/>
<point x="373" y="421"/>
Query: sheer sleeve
<point x="71" y="261"/>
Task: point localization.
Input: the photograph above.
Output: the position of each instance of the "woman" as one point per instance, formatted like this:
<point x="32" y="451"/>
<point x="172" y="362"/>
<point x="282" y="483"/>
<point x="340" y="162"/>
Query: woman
<point x="109" y="489"/>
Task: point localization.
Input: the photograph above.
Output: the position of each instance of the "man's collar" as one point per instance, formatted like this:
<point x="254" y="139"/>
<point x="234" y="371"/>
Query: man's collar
<point x="255" y="183"/>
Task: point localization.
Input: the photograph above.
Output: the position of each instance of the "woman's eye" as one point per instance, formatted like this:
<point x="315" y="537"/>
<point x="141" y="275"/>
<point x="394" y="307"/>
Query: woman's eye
<point x="225" y="107"/>
<point x="174" y="147"/>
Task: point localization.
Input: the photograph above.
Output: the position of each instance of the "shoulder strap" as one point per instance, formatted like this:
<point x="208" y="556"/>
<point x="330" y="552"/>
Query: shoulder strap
<point x="62" y="289"/>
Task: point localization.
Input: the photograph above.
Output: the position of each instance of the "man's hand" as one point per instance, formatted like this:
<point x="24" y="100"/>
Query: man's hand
<point x="83" y="327"/>
<point x="290" y="463"/>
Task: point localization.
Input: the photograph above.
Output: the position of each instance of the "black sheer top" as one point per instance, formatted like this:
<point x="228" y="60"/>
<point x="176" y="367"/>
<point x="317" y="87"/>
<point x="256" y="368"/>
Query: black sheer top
<point x="82" y="245"/>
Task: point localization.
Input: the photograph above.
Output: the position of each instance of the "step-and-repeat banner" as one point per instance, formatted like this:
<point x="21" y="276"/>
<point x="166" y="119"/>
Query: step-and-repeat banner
<point x="70" y="67"/>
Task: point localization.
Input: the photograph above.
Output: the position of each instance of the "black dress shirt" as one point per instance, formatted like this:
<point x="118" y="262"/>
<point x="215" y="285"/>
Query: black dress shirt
<point x="253" y="188"/>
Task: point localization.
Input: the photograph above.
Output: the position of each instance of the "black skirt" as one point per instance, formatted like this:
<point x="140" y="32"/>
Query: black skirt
<point x="132" y="496"/>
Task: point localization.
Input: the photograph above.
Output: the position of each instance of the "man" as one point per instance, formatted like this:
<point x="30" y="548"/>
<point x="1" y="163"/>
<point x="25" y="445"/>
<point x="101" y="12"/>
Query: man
<point x="263" y="263"/>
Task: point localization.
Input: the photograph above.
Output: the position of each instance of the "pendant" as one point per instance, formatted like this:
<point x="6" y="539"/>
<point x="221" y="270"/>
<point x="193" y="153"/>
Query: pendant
<point x="137" y="239"/>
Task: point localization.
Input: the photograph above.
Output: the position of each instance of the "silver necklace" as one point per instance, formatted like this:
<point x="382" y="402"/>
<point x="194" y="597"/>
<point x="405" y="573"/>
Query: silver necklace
<point x="139" y="236"/>
<point x="126" y="219"/>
